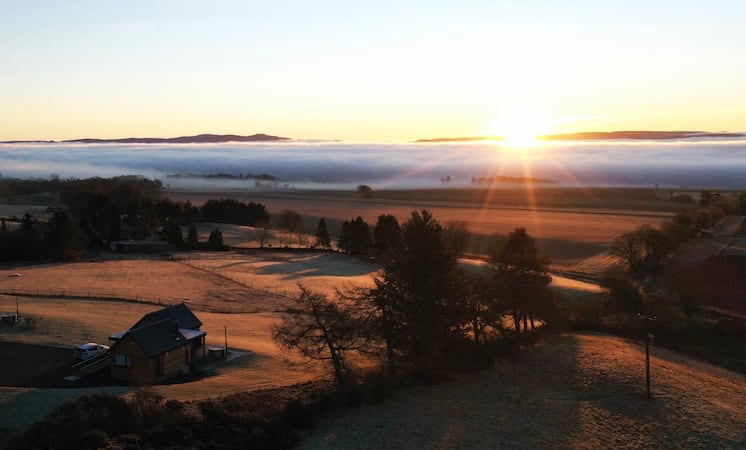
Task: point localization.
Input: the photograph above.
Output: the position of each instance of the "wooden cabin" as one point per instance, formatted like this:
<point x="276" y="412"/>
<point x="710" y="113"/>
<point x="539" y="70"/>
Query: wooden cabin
<point x="160" y="345"/>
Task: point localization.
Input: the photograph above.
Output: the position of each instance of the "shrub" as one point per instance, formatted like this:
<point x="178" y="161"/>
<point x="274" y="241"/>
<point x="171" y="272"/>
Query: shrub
<point x="298" y="415"/>
<point x="623" y="295"/>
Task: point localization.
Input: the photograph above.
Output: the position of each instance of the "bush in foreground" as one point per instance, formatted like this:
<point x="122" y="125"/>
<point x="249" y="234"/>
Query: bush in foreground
<point x="252" y="420"/>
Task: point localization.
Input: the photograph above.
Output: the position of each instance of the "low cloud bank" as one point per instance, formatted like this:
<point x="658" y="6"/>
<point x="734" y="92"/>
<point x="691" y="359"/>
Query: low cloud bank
<point x="335" y="165"/>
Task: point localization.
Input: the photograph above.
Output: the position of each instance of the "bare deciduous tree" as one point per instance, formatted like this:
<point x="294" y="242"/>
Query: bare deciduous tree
<point x="262" y="235"/>
<point x="324" y="330"/>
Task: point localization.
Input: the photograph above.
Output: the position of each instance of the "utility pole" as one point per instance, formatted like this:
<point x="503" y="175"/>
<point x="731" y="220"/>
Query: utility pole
<point x="648" y="337"/>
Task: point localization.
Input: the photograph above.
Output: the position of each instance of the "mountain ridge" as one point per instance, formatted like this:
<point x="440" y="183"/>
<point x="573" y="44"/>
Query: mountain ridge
<point x="205" y="138"/>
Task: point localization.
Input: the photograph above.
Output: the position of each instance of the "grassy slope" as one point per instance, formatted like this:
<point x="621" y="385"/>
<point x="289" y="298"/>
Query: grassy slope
<point x="576" y="391"/>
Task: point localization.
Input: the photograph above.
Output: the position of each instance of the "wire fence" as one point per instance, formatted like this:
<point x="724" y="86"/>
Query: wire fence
<point x="86" y="294"/>
<point x="242" y="280"/>
<point x="252" y="305"/>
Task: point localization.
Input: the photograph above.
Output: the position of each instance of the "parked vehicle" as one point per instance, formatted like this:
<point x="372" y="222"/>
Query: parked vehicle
<point x="89" y="350"/>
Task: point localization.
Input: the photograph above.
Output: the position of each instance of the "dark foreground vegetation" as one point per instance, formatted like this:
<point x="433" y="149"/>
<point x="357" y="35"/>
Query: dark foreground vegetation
<point x="264" y="419"/>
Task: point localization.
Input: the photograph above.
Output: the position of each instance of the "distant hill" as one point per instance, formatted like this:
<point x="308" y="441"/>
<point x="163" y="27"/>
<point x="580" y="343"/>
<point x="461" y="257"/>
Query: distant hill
<point x="198" y="139"/>
<point x="642" y="135"/>
<point x="599" y="135"/>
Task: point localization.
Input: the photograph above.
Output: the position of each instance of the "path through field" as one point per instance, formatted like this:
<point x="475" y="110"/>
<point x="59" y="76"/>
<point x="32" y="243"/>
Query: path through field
<point x="576" y="391"/>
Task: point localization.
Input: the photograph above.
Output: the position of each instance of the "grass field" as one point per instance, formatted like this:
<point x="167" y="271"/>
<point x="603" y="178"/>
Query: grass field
<point x="570" y="233"/>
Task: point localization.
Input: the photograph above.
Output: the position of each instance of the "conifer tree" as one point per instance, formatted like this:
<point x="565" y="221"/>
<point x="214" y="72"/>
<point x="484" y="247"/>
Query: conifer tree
<point x="322" y="234"/>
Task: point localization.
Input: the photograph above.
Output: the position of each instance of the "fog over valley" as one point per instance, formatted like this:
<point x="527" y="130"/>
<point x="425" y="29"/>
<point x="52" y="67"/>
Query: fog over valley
<point x="714" y="163"/>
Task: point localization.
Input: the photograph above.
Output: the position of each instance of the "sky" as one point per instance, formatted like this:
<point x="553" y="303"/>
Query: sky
<point x="385" y="71"/>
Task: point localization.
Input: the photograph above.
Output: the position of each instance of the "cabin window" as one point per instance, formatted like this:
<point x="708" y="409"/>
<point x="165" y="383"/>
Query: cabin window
<point x="122" y="360"/>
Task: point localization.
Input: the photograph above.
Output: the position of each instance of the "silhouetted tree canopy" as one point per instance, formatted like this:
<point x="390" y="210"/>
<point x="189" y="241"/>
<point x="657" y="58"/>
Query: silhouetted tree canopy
<point x="642" y="249"/>
<point x="215" y="240"/>
<point x="27" y="223"/>
<point x="417" y="296"/>
<point x="324" y="330"/>
<point x="64" y="236"/>
<point x="521" y="278"/>
<point x="623" y="295"/>
<point x="354" y="236"/>
<point x="365" y="191"/>
<point x="457" y="237"/>
<point x="387" y="234"/>
<point x="192" y="237"/>
<point x="234" y="212"/>
<point x="289" y="221"/>
<point x="175" y="235"/>
<point x="322" y="234"/>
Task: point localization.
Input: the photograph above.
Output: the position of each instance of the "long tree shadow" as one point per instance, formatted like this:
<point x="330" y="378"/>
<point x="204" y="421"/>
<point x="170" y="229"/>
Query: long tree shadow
<point x="318" y="266"/>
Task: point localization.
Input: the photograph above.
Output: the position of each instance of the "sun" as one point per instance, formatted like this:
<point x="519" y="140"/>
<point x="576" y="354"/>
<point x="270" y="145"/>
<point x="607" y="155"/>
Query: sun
<point x="521" y="137"/>
<point x="519" y="128"/>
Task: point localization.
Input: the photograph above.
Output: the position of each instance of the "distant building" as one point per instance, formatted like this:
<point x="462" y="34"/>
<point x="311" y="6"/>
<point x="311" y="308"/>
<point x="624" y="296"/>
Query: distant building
<point x="140" y="246"/>
<point x="160" y="345"/>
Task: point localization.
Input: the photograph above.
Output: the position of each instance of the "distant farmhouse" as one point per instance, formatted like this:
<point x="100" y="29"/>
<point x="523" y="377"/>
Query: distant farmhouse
<point x="162" y="344"/>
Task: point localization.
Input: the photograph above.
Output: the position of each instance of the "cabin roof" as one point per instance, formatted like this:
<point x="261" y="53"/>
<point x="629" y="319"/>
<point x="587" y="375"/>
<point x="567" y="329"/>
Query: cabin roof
<point x="164" y="330"/>
<point x="158" y="338"/>
<point x="180" y="313"/>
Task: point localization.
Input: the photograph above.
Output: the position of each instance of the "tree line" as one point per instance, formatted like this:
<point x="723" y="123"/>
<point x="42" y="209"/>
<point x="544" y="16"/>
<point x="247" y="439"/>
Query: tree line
<point x="98" y="211"/>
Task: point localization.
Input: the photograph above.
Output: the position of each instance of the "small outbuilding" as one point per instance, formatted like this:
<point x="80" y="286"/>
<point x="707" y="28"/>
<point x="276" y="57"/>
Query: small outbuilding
<point x="160" y="345"/>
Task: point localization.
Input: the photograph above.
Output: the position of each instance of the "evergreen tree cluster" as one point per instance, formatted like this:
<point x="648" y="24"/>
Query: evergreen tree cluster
<point x="354" y="236"/>
<point x="426" y="314"/>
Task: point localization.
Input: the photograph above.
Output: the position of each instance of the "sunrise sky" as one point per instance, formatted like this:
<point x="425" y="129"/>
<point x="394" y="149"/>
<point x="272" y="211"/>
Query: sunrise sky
<point x="374" y="71"/>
